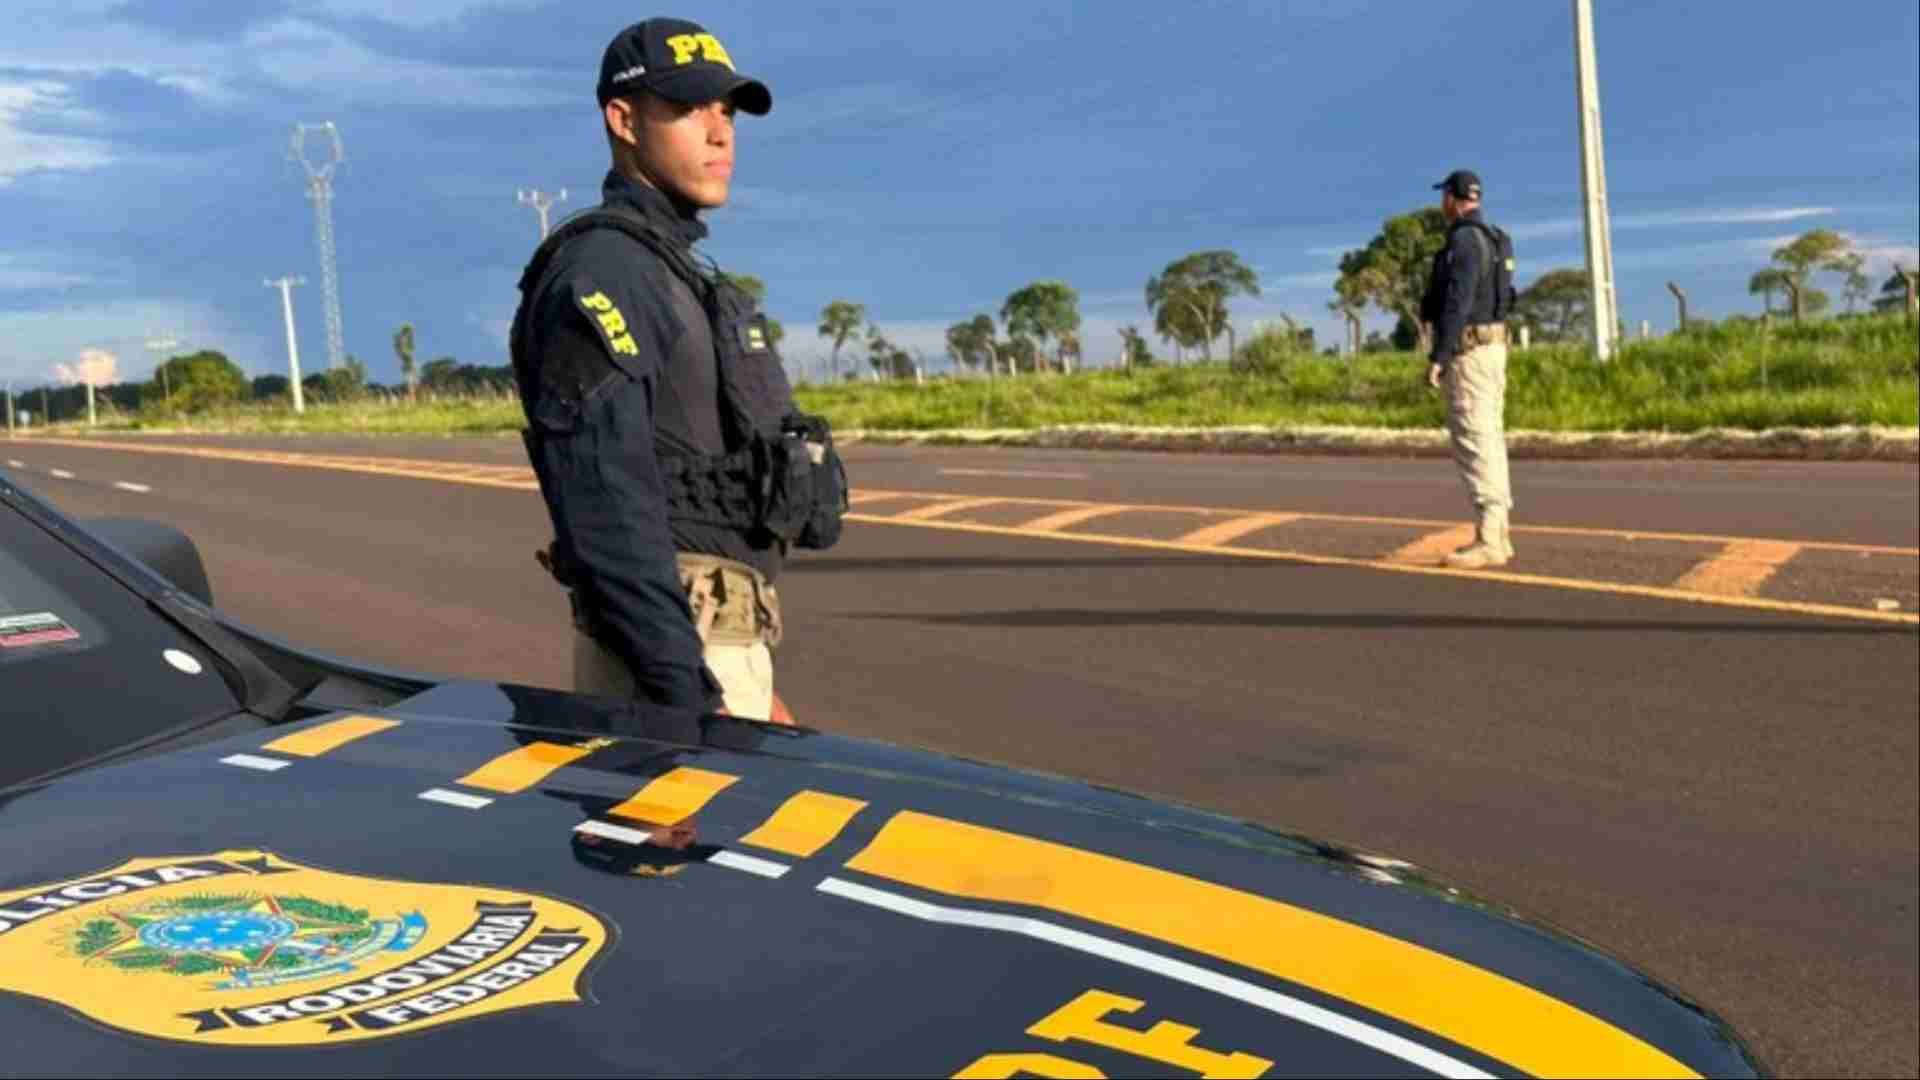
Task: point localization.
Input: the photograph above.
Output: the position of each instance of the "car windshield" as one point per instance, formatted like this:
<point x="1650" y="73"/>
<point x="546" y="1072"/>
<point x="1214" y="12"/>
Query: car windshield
<point x="86" y="665"/>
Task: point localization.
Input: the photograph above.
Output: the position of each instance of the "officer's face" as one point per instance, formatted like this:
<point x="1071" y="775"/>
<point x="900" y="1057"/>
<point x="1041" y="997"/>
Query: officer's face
<point x="686" y="150"/>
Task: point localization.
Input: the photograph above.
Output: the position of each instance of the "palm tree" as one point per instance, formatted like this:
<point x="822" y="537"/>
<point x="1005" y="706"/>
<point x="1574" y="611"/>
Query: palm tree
<point x="840" y="320"/>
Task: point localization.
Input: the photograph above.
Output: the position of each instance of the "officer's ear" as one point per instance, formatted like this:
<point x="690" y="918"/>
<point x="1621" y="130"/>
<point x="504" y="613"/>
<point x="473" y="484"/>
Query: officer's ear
<point x="622" y="116"/>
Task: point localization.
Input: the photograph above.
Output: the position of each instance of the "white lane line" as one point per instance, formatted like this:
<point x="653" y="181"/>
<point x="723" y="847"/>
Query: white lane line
<point x="1024" y="474"/>
<point x="1193" y="975"/>
<point x="61" y="473"/>
<point x="253" y="761"/>
<point x="751" y="865"/>
<point x="141" y="489"/>
<point x="455" y="798"/>
<point x="614" y="832"/>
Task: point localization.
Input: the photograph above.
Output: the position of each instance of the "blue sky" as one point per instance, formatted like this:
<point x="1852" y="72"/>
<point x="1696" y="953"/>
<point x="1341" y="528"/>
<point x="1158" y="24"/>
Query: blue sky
<point x="925" y="160"/>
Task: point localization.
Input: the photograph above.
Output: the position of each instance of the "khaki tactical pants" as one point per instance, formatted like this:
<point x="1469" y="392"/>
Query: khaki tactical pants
<point x="737" y="614"/>
<point x="1476" y="385"/>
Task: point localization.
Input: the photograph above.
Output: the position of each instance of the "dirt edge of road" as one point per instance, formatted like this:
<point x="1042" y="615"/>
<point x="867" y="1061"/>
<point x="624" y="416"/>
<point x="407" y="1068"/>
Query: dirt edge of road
<point x="1791" y="444"/>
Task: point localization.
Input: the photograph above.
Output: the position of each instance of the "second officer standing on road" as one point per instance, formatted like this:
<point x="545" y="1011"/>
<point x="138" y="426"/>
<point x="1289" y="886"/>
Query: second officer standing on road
<point x="675" y="467"/>
<point x="1468" y="298"/>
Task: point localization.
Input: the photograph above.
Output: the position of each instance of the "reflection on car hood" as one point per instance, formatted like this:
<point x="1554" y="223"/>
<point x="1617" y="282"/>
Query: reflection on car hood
<point x="490" y="879"/>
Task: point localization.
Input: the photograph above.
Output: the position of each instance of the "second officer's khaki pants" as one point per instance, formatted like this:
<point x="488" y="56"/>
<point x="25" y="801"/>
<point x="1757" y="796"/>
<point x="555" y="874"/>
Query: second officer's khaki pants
<point x="1476" y="419"/>
<point x="737" y="613"/>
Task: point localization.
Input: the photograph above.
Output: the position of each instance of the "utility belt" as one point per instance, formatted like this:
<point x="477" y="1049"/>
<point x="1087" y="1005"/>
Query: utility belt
<point x="731" y="602"/>
<point x="1479" y="334"/>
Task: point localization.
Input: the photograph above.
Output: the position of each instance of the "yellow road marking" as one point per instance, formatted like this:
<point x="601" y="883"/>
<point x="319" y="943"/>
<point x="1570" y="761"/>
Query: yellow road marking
<point x="1575" y="584"/>
<point x="1434" y="546"/>
<point x="861" y="498"/>
<point x="927" y="513"/>
<point x="523" y="479"/>
<point x="805" y="823"/>
<point x="418" y="470"/>
<point x="1740" y="568"/>
<point x="1061" y="519"/>
<point x="1364" y="519"/>
<point x="1233" y="529"/>
<point x="1494" y="1015"/>
<point x="523" y="768"/>
<point x="675" y="797"/>
<point x="315" y="741"/>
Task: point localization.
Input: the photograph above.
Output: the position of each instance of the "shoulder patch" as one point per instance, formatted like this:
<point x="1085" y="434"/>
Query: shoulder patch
<point x="605" y="315"/>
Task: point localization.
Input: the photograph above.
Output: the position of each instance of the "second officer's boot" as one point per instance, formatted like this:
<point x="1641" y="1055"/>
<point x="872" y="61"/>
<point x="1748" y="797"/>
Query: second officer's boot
<point x="1491" y="546"/>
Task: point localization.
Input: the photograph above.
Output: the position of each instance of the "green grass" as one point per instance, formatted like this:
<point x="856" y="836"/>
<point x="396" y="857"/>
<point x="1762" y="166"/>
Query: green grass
<point x="1828" y="373"/>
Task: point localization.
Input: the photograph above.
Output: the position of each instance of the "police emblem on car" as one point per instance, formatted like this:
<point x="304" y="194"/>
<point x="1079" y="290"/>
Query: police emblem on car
<point x="245" y="948"/>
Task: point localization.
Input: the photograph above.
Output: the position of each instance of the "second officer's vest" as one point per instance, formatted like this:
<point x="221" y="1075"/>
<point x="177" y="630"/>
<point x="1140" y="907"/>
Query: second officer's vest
<point x="779" y="471"/>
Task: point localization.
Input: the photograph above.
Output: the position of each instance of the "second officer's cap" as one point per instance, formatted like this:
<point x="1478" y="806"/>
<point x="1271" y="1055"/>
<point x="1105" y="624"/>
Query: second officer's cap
<point x="1461" y="184"/>
<point x="681" y="62"/>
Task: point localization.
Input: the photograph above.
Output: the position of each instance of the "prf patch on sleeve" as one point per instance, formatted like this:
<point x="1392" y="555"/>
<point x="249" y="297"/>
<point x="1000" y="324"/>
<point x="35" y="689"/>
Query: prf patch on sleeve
<point x="609" y="320"/>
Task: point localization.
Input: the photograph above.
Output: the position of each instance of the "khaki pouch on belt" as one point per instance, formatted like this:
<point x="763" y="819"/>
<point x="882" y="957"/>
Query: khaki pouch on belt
<point x="1483" y="334"/>
<point x="732" y="603"/>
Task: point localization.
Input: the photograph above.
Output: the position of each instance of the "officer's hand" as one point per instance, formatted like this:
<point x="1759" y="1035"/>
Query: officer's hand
<point x="1434" y="374"/>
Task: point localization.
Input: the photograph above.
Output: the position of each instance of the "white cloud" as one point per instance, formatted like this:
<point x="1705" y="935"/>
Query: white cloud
<point x="35" y="341"/>
<point x="19" y="273"/>
<point x="1667" y="219"/>
<point x="93" y="367"/>
<point x="415" y="14"/>
<point x="23" y="151"/>
<point x="305" y="57"/>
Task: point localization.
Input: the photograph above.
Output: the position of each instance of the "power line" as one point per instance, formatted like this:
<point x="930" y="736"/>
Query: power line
<point x="320" y="193"/>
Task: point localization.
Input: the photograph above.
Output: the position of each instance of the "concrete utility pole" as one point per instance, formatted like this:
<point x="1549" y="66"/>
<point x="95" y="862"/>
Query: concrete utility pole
<point x="320" y="193"/>
<point x="1593" y="187"/>
<point x="285" y="285"/>
<point x="9" y="408"/>
<point x="158" y="344"/>
<point x="542" y="204"/>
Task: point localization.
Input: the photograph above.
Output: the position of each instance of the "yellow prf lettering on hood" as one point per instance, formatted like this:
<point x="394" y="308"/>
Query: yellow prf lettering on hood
<point x="244" y="948"/>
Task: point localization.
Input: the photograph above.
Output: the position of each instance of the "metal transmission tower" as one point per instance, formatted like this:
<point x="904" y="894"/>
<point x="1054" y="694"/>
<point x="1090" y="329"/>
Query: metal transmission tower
<point x="1593" y="187"/>
<point x="542" y="203"/>
<point x="320" y="192"/>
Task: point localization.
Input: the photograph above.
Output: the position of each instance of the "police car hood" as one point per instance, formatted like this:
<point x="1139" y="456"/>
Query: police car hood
<point x="490" y="880"/>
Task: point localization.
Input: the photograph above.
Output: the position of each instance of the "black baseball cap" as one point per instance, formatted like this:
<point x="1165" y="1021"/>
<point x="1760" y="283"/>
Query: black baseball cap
<point x="1461" y="184"/>
<point x="681" y="62"/>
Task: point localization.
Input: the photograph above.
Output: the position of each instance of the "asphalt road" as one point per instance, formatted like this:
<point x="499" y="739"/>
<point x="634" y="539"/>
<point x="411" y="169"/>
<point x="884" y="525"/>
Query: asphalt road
<point x="1724" y="796"/>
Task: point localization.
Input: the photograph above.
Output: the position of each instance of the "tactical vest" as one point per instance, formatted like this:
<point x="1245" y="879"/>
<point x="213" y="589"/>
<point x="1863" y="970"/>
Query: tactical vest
<point x="780" y="473"/>
<point x="1496" y="249"/>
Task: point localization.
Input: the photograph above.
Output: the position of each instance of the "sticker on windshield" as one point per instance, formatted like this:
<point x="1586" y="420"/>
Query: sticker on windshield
<point x="39" y="628"/>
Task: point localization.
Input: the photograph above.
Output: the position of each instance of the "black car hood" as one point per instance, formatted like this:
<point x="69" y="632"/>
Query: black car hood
<point x="490" y="879"/>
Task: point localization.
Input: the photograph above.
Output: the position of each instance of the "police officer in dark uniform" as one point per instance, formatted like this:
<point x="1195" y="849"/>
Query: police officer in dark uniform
<point x="676" y="470"/>
<point x="1468" y="296"/>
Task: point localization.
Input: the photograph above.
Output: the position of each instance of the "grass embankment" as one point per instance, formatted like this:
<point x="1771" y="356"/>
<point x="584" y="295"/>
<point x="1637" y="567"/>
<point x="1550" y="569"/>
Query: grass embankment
<point x="1840" y="372"/>
<point x="1856" y="372"/>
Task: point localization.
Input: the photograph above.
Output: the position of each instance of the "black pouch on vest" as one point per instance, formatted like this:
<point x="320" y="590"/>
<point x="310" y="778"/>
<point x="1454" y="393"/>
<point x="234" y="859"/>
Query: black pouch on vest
<point x="826" y="477"/>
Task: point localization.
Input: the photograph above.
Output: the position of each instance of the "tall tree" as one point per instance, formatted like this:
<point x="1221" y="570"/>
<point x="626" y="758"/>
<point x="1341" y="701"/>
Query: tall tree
<point x="1391" y="272"/>
<point x="1041" y="312"/>
<point x="403" y="348"/>
<point x="198" y="381"/>
<point x="1133" y="347"/>
<point x="1815" y="250"/>
<point x="839" y="321"/>
<point x="1558" y="306"/>
<point x="1857" y="288"/>
<point x="1764" y="283"/>
<point x="971" y="342"/>
<point x="1202" y="283"/>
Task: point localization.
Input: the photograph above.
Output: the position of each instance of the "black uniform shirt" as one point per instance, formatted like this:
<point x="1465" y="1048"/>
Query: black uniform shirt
<point x="1460" y="290"/>
<point x="616" y="356"/>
